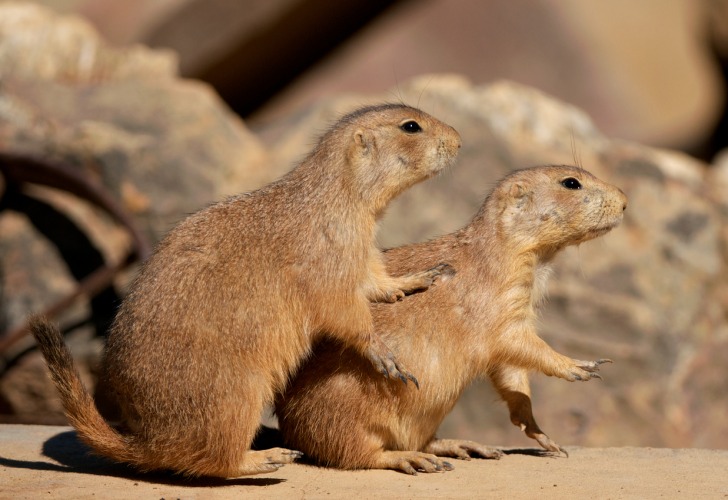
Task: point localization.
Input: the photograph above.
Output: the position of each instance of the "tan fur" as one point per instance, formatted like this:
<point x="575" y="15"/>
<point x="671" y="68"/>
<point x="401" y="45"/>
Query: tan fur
<point x="479" y="322"/>
<point x="234" y="297"/>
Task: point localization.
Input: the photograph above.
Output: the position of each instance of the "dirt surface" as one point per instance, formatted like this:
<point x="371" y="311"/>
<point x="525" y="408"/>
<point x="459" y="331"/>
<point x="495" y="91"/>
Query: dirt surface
<point x="49" y="462"/>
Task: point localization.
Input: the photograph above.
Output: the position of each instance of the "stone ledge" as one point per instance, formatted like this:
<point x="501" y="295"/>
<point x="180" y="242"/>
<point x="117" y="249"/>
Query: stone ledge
<point x="49" y="462"/>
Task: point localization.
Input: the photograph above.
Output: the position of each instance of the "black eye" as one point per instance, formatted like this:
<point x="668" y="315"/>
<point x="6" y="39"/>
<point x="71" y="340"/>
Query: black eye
<point x="411" y="127"/>
<point x="571" y="183"/>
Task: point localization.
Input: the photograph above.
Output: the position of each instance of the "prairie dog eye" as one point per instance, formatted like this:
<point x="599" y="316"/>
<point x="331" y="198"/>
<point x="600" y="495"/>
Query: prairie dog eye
<point x="411" y="127"/>
<point x="571" y="183"/>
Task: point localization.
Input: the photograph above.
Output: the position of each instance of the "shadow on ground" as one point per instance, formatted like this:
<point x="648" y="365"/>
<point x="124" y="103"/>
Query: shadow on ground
<point x="72" y="455"/>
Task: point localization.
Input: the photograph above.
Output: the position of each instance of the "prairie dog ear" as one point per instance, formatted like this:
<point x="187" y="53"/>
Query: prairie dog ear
<point x="517" y="191"/>
<point x="520" y="193"/>
<point x="363" y="142"/>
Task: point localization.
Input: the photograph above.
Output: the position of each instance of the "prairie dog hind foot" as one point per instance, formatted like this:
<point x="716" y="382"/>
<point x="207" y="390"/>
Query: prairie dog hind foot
<point x="264" y="461"/>
<point x="410" y="462"/>
<point x="462" y="449"/>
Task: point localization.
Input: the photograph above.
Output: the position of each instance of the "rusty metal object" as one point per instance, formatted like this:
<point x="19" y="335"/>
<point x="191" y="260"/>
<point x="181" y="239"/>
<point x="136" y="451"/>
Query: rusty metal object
<point x="18" y="170"/>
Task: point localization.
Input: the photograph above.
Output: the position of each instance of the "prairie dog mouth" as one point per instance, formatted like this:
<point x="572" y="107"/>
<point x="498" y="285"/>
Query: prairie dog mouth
<point x="603" y="229"/>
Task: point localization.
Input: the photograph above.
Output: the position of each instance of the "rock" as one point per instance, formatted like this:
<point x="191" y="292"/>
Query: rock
<point x="163" y="147"/>
<point x="642" y="70"/>
<point x="38" y="44"/>
<point x="647" y="71"/>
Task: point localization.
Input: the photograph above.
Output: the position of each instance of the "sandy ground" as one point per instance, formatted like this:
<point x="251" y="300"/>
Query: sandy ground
<point x="49" y="462"/>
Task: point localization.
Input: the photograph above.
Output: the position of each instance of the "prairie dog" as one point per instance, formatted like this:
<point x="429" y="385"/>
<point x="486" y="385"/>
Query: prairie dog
<point x="478" y="322"/>
<point x="233" y="298"/>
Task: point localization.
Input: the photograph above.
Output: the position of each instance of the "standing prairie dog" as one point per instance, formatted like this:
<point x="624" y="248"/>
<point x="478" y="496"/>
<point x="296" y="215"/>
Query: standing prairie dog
<point x="478" y="322"/>
<point x="233" y="298"/>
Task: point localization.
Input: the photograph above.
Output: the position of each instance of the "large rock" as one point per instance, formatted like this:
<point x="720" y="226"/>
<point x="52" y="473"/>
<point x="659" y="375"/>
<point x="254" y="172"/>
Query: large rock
<point x="643" y="70"/>
<point x="162" y="146"/>
<point x="120" y="115"/>
<point x="648" y="71"/>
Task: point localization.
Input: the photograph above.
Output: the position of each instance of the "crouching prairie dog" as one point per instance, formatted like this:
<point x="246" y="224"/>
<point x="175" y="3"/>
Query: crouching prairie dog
<point x="478" y="322"/>
<point x="233" y="298"/>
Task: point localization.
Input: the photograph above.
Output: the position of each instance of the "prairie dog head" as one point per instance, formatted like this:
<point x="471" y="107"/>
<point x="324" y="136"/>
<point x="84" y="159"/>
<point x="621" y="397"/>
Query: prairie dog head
<point x="392" y="147"/>
<point x="548" y="208"/>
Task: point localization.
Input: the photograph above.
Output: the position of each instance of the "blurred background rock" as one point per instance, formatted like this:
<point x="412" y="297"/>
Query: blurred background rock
<point x="649" y="71"/>
<point x="149" y="111"/>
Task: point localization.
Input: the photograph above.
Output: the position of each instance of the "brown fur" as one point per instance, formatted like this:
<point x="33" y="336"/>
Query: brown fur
<point x="479" y="322"/>
<point x="233" y="298"/>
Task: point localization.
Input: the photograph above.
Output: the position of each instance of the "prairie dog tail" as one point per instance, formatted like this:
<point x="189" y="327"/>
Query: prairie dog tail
<point x="77" y="402"/>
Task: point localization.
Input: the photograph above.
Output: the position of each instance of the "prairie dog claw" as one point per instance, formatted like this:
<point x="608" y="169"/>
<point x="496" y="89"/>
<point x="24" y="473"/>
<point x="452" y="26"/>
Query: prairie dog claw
<point x="388" y="366"/>
<point x="587" y="370"/>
